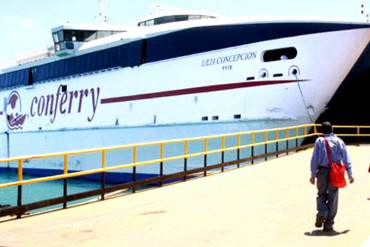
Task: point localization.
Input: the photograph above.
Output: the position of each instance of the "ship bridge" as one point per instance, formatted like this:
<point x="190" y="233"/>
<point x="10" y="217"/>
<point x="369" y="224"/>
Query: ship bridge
<point x="68" y="38"/>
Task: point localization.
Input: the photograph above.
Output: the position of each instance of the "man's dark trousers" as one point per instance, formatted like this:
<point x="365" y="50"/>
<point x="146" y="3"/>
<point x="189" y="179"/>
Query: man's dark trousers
<point x="327" y="197"/>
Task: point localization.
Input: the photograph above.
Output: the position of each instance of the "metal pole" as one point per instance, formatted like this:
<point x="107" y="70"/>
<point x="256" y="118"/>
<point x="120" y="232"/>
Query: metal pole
<point x="134" y="159"/>
<point x="20" y="178"/>
<point x="265" y="139"/>
<point x="161" y="163"/>
<point x="238" y="151"/>
<point x="287" y="142"/>
<point x="358" y="136"/>
<point x="102" y="179"/>
<point x="296" y="139"/>
<point x="277" y="144"/>
<point x="252" y="148"/>
<point x="205" y="156"/>
<point x="65" y="189"/>
<point x="186" y="151"/>
<point x="223" y="152"/>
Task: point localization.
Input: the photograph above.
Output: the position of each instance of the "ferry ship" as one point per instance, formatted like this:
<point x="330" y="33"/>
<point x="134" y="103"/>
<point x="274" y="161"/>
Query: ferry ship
<point x="174" y="75"/>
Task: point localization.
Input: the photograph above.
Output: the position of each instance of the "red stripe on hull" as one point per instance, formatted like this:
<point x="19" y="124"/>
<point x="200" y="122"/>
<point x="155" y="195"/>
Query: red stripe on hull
<point x="204" y="89"/>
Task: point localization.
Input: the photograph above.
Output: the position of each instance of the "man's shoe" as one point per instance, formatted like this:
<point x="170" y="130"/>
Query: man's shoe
<point x="319" y="221"/>
<point x="328" y="229"/>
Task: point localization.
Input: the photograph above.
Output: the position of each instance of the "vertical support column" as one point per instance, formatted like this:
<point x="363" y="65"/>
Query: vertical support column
<point x="252" y="147"/>
<point x="287" y="141"/>
<point x="20" y="179"/>
<point x="315" y="129"/>
<point x="103" y="166"/>
<point x="265" y="138"/>
<point x="134" y="160"/>
<point x="238" y="150"/>
<point x="296" y="138"/>
<point x="186" y="151"/>
<point x="305" y="131"/>
<point x="65" y="185"/>
<point x="205" y="156"/>
<point x="161" y="163"/>
<point x="222" y="152"/>
<point x="358" y="136"/>
<point x="277" y="143"/>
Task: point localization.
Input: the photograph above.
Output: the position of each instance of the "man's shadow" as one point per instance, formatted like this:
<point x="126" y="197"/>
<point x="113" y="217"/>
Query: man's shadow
<point x="319" y="233"/>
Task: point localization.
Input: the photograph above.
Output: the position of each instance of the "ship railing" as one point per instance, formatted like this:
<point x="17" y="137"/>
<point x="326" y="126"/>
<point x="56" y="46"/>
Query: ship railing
<point x="260" y="144"/>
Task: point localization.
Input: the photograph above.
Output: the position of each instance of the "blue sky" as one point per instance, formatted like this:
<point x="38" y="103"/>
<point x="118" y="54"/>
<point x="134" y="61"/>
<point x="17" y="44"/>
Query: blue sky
<point x="25" y="25"/>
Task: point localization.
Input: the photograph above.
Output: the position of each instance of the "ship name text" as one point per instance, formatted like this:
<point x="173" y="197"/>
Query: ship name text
<point x="229" y="59"/>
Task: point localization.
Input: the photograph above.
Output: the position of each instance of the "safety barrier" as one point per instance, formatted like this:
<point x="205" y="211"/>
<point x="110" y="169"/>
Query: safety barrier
<point x="261" y="144"/>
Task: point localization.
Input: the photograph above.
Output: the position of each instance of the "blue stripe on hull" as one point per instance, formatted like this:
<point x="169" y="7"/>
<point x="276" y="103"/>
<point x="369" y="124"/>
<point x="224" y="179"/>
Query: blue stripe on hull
<point x="111" y="177"/>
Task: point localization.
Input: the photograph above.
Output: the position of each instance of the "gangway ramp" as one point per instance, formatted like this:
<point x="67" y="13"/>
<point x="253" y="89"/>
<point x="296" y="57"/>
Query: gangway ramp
<point x="267" y="204"/>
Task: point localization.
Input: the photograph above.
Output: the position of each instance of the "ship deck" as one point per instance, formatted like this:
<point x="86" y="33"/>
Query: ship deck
<point x="267" y="204"/>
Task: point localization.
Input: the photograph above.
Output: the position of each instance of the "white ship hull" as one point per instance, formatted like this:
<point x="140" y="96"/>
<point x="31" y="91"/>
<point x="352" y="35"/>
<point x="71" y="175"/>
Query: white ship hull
<point x="173" y="98"/>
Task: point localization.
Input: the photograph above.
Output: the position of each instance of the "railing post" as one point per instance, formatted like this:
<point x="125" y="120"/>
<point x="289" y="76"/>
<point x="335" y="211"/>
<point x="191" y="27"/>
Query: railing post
<point x="186" y="151"/>
<point x="296" y="139"/>
<point x="265" y="138"/>
<point x="252" y="148"/>
<point x="277" y="144"/>
<point x="20" y="179"/>
<point x="134" y="159"/>
<point x="102" y="178"/>
<point x="287" y="141"/>
<point x="205" y="156"/>
<point x="161" y="163"/>
<point x="223" y="152"/>
<point x="358" y="136"/>
<point x="238" y="151"/>
<point x="65" y="185"/>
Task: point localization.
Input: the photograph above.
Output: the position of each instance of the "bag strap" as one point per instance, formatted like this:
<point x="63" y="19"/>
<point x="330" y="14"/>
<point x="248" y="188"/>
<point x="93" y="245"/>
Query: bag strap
<point x="327" y="150"/>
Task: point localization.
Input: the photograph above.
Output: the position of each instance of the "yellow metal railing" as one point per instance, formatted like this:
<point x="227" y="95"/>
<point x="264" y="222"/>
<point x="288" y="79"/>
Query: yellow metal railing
<point x="300" y="132"/>
<point x="186" y="142"/>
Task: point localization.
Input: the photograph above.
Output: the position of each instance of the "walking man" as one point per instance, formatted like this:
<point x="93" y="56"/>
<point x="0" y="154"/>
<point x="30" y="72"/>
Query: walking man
<point x="327" y="195"/>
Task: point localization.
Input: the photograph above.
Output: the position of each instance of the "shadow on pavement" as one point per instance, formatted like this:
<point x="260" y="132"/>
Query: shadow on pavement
<point x="319" y="233"/>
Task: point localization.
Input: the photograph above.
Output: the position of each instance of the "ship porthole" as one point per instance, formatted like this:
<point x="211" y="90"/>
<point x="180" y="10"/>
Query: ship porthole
<point x="263" y="74"/>
<point x="294" y="71"/>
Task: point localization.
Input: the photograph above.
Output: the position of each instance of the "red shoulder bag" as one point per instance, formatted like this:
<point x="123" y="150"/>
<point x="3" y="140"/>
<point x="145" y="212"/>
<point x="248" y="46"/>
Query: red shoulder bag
<point x="336" y="170"/>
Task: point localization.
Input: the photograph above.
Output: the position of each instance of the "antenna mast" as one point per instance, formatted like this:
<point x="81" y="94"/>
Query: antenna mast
<point x="102" y="12"/>
<point x="365" y="11"/>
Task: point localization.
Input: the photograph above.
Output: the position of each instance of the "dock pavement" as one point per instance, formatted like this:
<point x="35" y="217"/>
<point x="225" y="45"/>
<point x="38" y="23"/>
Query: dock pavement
<point x="267" y="204"/>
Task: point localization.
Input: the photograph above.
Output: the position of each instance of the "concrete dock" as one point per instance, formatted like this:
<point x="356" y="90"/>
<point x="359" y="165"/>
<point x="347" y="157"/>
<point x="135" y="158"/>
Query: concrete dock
<point x="267" y="204"/>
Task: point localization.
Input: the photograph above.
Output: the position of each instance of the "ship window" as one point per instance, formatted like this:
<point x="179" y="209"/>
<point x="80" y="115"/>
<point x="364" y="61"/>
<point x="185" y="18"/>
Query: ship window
<point x="237" y="116"/>
<point x="168" y="19"/>
<point x="55" y="37"/>
<point x="101" y="34"/>
<point x="146" y="23"/>
<point x="280" y="54"/>
<point x="194" y="17"/>
<point x="205" y="118"/>
<point x="214" y="117"/>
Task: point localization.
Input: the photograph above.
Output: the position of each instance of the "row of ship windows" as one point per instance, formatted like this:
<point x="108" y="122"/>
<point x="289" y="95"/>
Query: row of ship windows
<point x="204" y="118"/>
<point x="215" y="118"/>
<point x="264" y="74"/>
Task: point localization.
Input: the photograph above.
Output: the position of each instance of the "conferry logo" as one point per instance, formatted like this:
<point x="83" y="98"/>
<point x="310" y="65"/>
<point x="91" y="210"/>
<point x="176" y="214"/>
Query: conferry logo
<point x="14" y="117"/>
